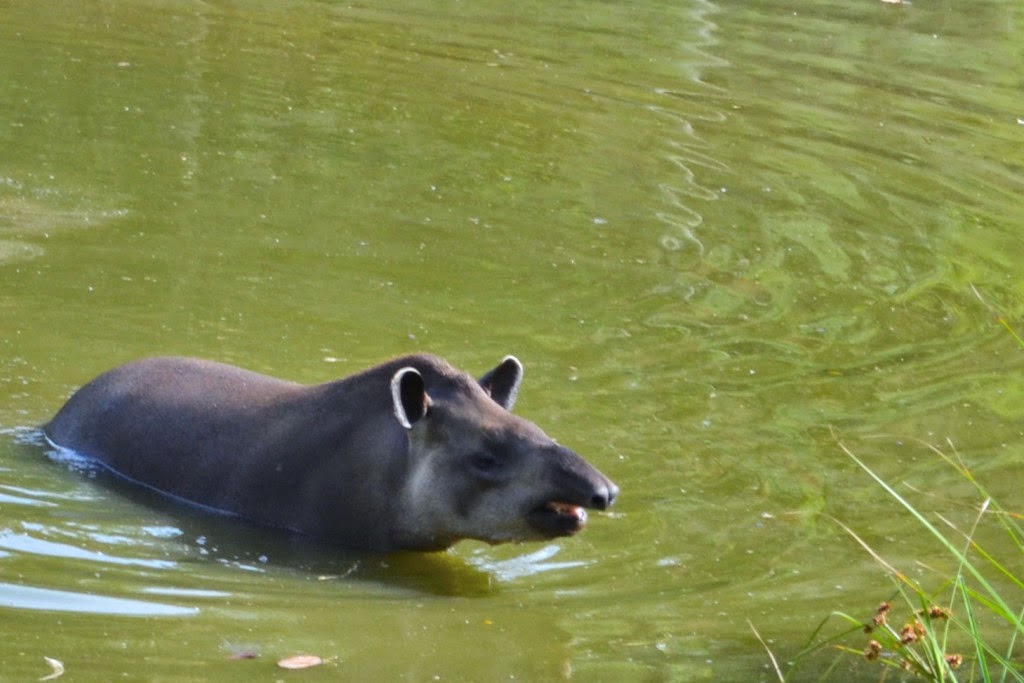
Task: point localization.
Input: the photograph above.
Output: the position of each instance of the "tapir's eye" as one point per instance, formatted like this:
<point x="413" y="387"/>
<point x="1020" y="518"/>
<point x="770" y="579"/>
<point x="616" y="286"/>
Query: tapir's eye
<point x="485" y="463"/>
<point x="492" y="463"/>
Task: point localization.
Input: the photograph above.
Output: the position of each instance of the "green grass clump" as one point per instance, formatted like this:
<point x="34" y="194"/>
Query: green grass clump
<point x="980" y="608"/>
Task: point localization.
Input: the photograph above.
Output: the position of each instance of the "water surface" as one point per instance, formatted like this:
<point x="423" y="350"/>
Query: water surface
<point x="721" y="236"/>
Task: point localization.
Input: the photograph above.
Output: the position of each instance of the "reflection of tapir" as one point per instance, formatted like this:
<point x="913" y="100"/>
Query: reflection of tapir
<point x="411" y="454"/>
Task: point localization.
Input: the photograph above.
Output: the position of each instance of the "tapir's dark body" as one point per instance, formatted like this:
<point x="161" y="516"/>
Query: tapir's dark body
<point x="411" y="454"/>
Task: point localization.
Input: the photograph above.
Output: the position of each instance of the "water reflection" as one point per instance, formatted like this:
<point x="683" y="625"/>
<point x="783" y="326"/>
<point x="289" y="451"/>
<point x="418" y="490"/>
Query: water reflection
<point x="27" y="221"/>
<point x="528" y="564"/>
<point x="22" y="500"/>
<point x="51" y="600"/>
<point x="29" y="544"/>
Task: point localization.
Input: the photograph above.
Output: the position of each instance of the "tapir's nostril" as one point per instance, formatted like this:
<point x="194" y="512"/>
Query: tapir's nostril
<point x="604" y="496"/>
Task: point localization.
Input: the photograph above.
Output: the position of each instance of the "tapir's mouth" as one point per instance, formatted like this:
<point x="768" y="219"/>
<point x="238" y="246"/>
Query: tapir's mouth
<point x="556" y="518"/>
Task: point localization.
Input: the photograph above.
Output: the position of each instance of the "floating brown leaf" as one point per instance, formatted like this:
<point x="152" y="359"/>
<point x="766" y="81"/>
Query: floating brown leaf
<point x="300" y="662"/>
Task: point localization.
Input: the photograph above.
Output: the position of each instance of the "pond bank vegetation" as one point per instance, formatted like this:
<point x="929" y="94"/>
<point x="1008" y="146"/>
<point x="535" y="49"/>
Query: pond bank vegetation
<point x="969" y="628"/>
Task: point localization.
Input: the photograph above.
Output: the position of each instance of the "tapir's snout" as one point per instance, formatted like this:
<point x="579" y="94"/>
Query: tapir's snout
<point x="590" y="488"/>
<point x="604" y="496"/>
<point x="576" y="486"/>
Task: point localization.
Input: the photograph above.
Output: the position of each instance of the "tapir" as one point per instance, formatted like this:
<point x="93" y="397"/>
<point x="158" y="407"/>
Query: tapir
<point x="409" y="455"/>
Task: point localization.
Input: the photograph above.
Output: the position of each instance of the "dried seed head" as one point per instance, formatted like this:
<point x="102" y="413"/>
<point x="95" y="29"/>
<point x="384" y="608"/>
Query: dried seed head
<point x="879" y="618"/>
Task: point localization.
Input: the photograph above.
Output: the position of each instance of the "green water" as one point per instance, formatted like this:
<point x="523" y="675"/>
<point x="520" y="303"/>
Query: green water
<point x="721" y="236"/>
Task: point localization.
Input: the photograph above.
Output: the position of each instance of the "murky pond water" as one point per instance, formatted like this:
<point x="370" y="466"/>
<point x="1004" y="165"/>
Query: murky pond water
<point x="721" y="236"/>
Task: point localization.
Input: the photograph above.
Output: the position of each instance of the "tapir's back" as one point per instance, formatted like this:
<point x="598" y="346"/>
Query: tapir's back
<point x="173" y="409"/>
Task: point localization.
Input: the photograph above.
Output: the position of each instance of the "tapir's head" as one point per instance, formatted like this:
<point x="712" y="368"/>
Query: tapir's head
<point x="478" y="471"/>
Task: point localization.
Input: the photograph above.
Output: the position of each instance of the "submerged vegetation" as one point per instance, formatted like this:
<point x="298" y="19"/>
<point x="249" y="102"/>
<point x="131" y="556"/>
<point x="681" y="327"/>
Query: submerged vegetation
<point x="968" y="629"/>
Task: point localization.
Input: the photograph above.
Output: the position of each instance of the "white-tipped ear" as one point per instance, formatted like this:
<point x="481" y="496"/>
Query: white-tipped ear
<point x="409" y="397"/>
<point x="503" y="382"/>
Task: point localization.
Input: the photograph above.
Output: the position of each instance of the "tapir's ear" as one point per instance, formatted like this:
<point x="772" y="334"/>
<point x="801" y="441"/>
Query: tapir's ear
<point x="502" y="383"/>
<point x="409" y="396"/>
